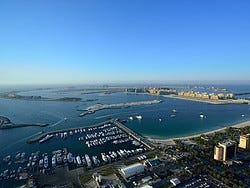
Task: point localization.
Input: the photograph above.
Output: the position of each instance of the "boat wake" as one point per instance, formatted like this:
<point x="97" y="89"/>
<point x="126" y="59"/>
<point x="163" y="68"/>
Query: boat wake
<point x="110" y="115"/>
<point x="57" y="123"/>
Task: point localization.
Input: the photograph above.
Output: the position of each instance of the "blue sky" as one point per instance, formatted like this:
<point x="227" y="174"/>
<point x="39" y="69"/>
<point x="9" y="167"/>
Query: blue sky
<point x="128" y="40"/>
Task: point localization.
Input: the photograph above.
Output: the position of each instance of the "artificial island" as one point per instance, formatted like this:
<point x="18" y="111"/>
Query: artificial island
<point x="113" y="155"/>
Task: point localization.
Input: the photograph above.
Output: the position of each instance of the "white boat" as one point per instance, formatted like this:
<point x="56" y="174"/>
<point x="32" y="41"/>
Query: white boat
<point x="104" y="157"/>
<point x="47" y="137"/>
<point x="139" y="117"/>
<point x="65" y="159"/>
<point x="78" y="160"/>
<point x="172" y="115"/>
<point x="53" y="161"/>
<point x="41" y="163"/>
<point x="83" y="160"/>
<point x="95" y="160"/>
<point x="88" y="160"/>
<point x="70" y="158"/>
<point x="46" y="161"/>
<point x="59" y="159"/>
<point x="202" y="115"/>
<point x="109" y="158"/>
<point x="131" y="118"/>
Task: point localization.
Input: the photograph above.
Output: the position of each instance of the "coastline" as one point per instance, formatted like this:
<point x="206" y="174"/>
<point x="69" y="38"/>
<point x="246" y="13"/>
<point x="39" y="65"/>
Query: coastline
<point x="170" y="141"/>
<point x="209" y="101"/>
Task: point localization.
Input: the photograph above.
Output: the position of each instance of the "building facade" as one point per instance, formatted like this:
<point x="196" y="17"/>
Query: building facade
<point x="132" y="170"/>
<point x="245" y="141"/>
<point x="225" y="150"/>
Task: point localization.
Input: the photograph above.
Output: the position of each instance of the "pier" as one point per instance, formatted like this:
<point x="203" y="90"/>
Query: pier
<point x="134" y="135"/>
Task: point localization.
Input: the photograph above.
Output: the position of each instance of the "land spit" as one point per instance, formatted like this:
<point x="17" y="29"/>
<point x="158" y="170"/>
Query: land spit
<point x="94" y="108"/>
<point x="5" y="123"/>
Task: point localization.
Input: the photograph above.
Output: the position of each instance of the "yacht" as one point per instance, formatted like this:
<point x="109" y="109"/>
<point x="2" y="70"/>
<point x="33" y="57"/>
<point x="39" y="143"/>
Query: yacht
<point x="65" y="159"/>
<point x="70" y="158"/>
<point x="174" y="110"/>
<point x="46" y="161"/>
<point x="88" y="160"/>
<point x="130" y="118"/>
<point x="139" y="117"/>
<point x="83" y="160"/>
<point x="78" y="160"/>
<point x="47" y="137"/>
<point x="59" y="159"/>
<point x="104" y="157"/>
<point x="53" y="161"/>
<point x="95" y="160"/>
<point x="202" y="115"/>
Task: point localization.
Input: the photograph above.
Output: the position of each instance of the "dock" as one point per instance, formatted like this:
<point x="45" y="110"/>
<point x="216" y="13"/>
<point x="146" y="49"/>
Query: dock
<point x="40" y="136"/>
<point x="131" y="133"/>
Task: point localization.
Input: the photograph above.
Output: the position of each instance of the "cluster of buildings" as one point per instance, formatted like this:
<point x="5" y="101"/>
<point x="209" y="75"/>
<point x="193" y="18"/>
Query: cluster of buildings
<point x="145" y="175"/>
<point x="226" y="150"/>
<point x="206" y="95"/>
<point x="153" y="91"/>
<point x="161" y="91"/>
<point x="135" y="90"/>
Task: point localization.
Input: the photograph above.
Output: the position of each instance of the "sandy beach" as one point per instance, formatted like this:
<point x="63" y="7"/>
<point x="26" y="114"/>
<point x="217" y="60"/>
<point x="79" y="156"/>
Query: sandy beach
<point x="228" y="101"/>
<point x="170" y="141"/>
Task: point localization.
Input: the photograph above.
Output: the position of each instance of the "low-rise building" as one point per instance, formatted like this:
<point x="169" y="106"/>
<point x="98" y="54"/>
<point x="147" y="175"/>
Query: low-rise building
<point x="175" y="181"/>
<point x="132" y="170"/>
<point x="153" y="163"/>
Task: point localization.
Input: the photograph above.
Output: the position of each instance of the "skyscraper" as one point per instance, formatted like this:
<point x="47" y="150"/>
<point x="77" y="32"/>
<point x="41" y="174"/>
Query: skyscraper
<point x="225" y="150"/>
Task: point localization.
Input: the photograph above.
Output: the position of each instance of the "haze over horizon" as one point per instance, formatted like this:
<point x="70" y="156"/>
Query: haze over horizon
<point x="65" y="42"/>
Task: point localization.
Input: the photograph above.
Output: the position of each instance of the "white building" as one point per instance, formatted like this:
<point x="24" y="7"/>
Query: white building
<point x="175" y="181"/>
<point x="132" y="170"/>
<point x="146" y="186"/>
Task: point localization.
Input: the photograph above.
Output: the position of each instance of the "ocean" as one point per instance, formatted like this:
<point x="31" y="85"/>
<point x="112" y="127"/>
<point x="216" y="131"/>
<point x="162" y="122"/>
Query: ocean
<point x="158" y="120"/>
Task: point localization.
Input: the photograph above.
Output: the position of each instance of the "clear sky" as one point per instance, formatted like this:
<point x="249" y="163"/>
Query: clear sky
<point x="56" y="41"/>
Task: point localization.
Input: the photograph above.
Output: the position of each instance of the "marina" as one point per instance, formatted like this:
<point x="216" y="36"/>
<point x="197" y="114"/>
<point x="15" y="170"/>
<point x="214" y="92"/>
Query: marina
<point x="90" y="140"/>
<point x="109" y="132"/>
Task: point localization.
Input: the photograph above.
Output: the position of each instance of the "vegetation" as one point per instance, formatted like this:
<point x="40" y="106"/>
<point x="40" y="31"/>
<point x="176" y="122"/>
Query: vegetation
<point x="106" y="171"/>
<point x="129" y="162"/>
<point x="84" y="178"/>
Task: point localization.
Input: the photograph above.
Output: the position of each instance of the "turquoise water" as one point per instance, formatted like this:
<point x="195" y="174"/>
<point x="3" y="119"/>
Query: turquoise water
<point x="186" y="122"/>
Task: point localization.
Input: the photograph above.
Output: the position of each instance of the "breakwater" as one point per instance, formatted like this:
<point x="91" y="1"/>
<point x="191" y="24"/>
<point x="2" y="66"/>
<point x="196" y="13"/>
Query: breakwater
<point x="97" y="107"/>
<point x="5" y="123"/>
